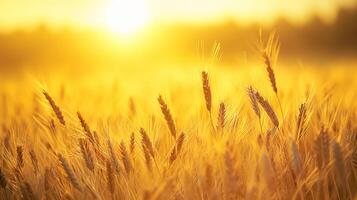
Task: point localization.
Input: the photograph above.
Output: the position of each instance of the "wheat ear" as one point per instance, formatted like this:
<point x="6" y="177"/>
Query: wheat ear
<point x="322" y="149"/>
<point x="125" y="158"/>
<point x="207" y="95"/>
<point x="270" y="55"/>
<point x="113" y="156"/>
<point x="339" y="161"/>
<point x="110" y="178"/>
<point x="55" y="108"/>
<point x="85" y="127"/>
<point x="267" y="108"/>
<point x="254" y="104"/>
<point x="132" y="143"/>
<point x="301" y="121"/>
<point x="207" y="90"/>
<point x="69" y="171"/>
<point x="221" y="116"/>
<point x="34" y="161"/>
<point x="86" y="154"/>
<point x="167" y="115"/>
<point x="147" y="142"/>
<point x="20" y="157"/>
<point x="253" y="100"/>
<point x="177" y="148"/>
<point x="340" y="166"/>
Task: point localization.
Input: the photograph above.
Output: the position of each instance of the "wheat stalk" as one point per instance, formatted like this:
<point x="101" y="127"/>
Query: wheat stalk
<point x="70" y="174"/>
<point x="270" y="71"/>
<point x="267" y="108"/>
<point x="322" y="149"/>
<point x="132" y="143"/>
<point x="125" y="158"/>
<point x="146" y="142"/>
<point x="207" y="95"/>
<point x="270" y="53"/>
<point x="20" y="157"/>
<point x="86" y="154"/>
<point x="177" y="148"/>
<point x="167" y="115"/>
<point x="322" y="155"/>
<point x="55" y="108"/>
<point x="221" y="116"/>
<point x="148" y="149"/>
<point x="253" y="100"/>
<point x="113" y="156"/>
<point x="254" y="104"/>
<point x="34" y="161"/>
<point x="85" y="127"/>
<point x="340" y="166"/>
<point x="207" y="91"/>
<point x="301" y="121"/>
<point x="110" y="178"/>
<point x="339" y="162"/>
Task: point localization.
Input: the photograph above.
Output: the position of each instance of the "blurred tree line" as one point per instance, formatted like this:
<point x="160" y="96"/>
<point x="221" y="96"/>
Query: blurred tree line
<point x="163" y="43"/>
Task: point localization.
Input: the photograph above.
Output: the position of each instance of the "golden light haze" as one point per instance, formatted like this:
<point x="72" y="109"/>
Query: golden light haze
<point x="94" y="13"/>
<point x="178" y="99"/>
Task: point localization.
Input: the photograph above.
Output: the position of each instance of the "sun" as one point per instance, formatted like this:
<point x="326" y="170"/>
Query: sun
<point x="127" y="16"/>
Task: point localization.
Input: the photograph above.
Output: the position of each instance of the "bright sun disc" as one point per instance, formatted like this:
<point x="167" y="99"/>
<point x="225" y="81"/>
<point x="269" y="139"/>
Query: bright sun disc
<point x="127" y="16"/>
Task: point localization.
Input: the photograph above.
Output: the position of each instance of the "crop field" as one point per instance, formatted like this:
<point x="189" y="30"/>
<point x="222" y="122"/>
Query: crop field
<point x="264" y="131"/>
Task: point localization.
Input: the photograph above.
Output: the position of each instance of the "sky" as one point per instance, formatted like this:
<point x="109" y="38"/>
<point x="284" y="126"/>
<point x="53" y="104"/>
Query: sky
<point x="95" y="13"/>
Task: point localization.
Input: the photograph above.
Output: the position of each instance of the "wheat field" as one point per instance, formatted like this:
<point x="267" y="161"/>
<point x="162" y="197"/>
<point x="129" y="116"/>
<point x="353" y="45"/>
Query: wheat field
<point x="259" y="132"/>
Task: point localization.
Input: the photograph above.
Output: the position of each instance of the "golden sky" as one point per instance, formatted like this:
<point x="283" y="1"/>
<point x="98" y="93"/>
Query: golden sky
<point x="84" y="13"/>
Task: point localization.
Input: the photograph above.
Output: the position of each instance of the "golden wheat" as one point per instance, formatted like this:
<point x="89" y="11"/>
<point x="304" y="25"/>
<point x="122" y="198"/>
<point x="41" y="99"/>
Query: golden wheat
<point x="168" y="117"/>
<point x="55" y="108"/>
<point x="105" y="154"/>
<point x="267" y="108"/>
<point x="207" y="90"/>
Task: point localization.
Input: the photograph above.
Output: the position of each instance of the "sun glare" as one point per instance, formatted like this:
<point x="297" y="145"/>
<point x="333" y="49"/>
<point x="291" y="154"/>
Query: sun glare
<point x="127" y="16"/>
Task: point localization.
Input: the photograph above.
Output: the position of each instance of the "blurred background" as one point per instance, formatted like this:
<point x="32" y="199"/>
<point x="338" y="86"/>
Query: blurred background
<point x="86" y="36"/>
